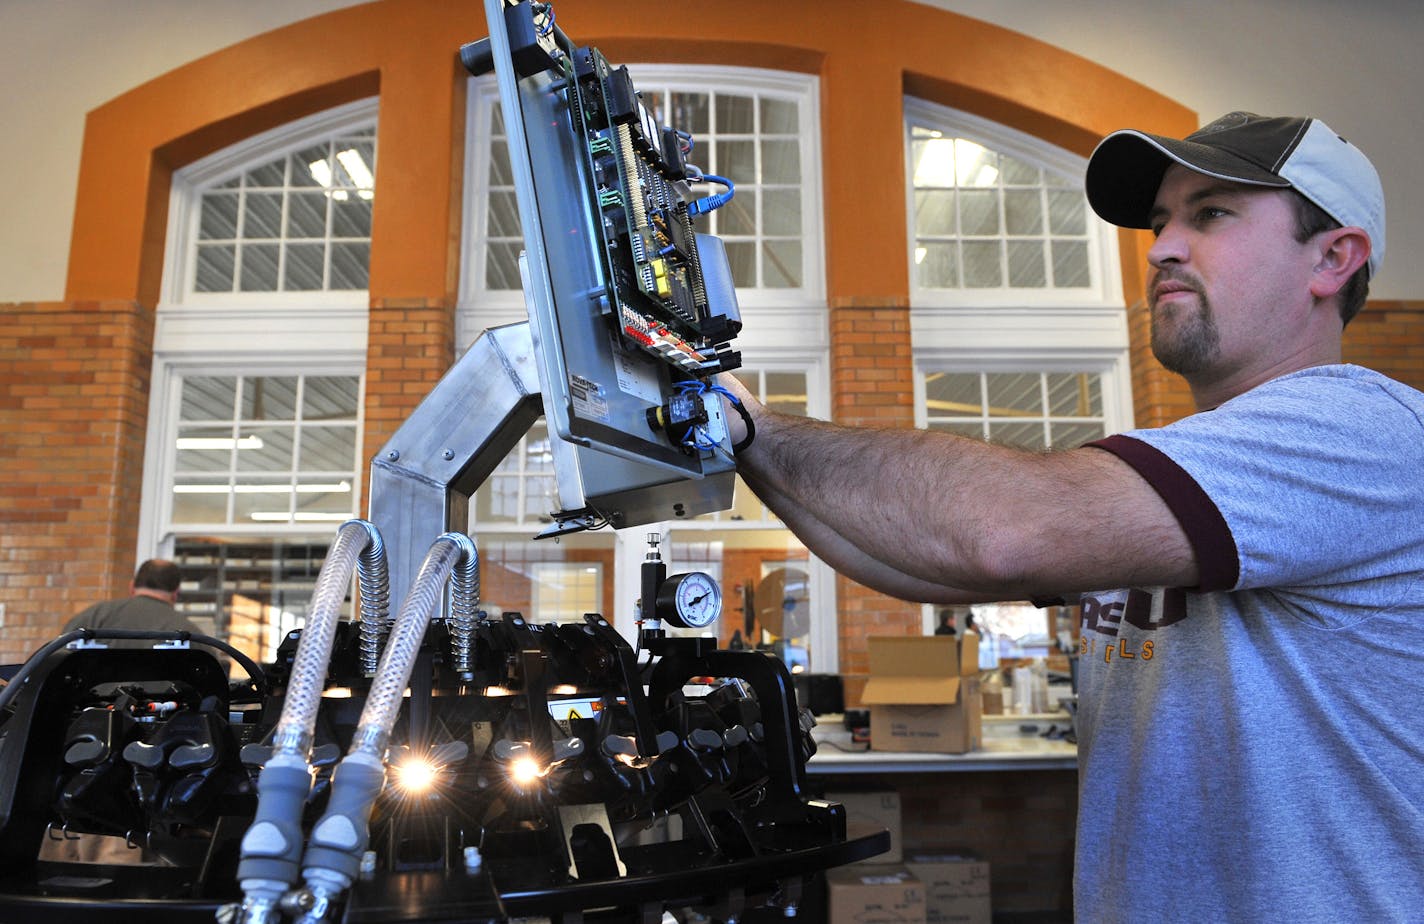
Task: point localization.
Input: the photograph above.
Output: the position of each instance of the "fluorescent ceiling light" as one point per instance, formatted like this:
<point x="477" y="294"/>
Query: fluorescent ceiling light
<point x="219" y="442"/>
<point x="358" y="171"/>
<point x="337" y="487"/>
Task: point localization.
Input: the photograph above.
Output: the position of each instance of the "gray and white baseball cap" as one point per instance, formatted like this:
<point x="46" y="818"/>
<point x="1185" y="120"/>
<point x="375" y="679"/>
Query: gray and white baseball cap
<point x="1279" y="151"/>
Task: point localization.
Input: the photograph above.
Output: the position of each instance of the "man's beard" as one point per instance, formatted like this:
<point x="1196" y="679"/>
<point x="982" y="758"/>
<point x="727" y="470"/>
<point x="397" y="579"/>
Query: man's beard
<point x="1195" y="340"/>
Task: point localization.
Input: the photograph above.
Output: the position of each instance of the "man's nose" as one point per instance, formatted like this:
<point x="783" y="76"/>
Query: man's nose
<point x="1170" y="246"/>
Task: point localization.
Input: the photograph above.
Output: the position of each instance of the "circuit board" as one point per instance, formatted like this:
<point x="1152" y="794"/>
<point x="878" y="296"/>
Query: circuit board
<point x="659" y="300"/>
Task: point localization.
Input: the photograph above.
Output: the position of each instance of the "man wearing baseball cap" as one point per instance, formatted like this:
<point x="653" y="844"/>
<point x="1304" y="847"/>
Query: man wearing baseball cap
<point x="1244" y="750"/>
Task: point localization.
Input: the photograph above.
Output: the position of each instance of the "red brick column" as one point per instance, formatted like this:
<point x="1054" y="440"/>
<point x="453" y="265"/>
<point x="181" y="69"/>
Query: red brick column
<point x="74" y="381"/>
<point x="872" y="384"/>
<point x="411" y="345"/>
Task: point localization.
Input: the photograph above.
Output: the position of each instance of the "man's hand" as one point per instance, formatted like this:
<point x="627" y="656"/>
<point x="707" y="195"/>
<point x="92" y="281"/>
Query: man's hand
<point x="736" y="426"/>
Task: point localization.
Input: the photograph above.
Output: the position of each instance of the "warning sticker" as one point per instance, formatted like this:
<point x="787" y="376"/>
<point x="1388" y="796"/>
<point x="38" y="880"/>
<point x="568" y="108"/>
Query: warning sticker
<point x="588" y="398"/>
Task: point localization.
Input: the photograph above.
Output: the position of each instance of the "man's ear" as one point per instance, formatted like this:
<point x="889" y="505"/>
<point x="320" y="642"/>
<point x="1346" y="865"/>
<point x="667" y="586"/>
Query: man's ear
<point x="1342" y="252"/>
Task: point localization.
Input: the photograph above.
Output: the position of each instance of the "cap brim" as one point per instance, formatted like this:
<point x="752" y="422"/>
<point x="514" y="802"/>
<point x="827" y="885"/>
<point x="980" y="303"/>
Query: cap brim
<point x="1127" y="168"/>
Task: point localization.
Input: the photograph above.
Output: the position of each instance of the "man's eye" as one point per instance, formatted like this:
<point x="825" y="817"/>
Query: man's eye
<point x="1156" y="228"/>
<point x="1209" y="212"/>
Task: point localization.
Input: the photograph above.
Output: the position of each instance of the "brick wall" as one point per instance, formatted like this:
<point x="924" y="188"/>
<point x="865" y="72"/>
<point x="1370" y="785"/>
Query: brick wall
<point x="74" y="383"/>
<point x="872" y="384"/>
<point x="411" y="345"/>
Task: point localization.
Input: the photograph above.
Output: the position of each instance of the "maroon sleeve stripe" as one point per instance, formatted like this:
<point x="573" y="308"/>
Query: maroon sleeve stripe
<point x="1199" y="517"/>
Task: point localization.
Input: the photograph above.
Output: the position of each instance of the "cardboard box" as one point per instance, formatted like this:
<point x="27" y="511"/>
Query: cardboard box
<point x="923" y="693"/>
<point x="872" y="809"/>
<point x="874" y="895"/>
<point x="956" y="887"/>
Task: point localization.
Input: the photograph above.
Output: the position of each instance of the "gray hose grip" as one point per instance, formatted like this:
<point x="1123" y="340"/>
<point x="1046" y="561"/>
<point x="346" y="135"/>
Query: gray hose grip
<point x="341" y="836"/>
<point x="272" y="846"/>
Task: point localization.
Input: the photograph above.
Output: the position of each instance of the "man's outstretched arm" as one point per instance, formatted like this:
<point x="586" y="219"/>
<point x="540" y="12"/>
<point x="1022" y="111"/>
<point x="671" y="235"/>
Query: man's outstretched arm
<point x="989" y="521"/>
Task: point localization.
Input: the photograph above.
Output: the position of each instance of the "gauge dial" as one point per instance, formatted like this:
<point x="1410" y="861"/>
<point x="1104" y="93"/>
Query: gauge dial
<point x="692" y="601"/>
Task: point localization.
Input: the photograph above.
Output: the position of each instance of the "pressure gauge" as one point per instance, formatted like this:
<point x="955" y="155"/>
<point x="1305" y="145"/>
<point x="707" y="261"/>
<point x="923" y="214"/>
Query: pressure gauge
<point x="692" y="600"/>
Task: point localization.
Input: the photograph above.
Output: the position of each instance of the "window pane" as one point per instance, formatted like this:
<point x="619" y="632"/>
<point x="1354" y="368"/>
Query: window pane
<point x="736" y="160"/>
<point x="1074" y="394"/>
<point x="215" y="267"/>
<point x="954" y="393"/>
<point x="199" y="500"/>
<point x="268" y="398"/>
<point x="734" y="115"/>
<point x="204" y="449"/>
<point x="934" y="212"/>
<point x="783" y="264"/>
<point x="782" y="212"/>
<point x="263" y="501"/>
<point x="262" y="215"/>
<point x="979" y="211"/>
<point x="351" y="217"/>
<point x="322" y="191"/>
<point x="501" y="174"/>
<point x="786" y="392"/>
<point x="270" y="449"/>
<point x="326" y="449"/>
<point x="330" y="397"/>
<point x="218" y="216"/>
<point x="1013" y="392"/>
<point x="781" y="161"/>
<point x="350" y="266"/>
<point x="1014" y="172"/>
<point x="779" y="117"/>
<point x="981" y="265"/>
<point x="1023" y="211"/>
<point x="259" y="267"/>
<point x="738" y="217"/>
<point x="1022" y="435"/>
<point x="1067" y="212"/>
<point x="974" y="431"/>
<point x="207" y="398"/>
<point x="1026" y="269"/>
<point x="502" y="267"/>
<point x="690" y="112"/>
<point x="1069" y="435"/>
<point x="504" y="214"/>
<point x="303" y="269"/>
<point x="1070" y="264"/>
<point x="306" y="215"/>
<point x="937" y="265"/>
<point x="741" y="257"/>
<point x="269" y="175"/>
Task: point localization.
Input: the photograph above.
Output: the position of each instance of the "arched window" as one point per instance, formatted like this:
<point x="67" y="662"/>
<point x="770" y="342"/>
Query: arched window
<point x="253" y="453"/>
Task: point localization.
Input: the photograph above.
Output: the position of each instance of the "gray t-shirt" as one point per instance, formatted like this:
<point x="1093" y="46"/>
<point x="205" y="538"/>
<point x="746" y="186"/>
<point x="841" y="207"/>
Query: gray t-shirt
<point x="1253" y="749"/>
<point x="137" y="612"/>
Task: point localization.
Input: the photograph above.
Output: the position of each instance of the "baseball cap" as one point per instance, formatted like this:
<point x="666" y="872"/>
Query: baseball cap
<point x="1277" y="151"/>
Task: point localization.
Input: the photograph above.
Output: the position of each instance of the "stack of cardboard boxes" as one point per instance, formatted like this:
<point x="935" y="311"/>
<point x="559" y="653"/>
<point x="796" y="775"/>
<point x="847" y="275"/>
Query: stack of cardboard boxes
<point x="923" y="694"/>
<point x="899" y="887"/>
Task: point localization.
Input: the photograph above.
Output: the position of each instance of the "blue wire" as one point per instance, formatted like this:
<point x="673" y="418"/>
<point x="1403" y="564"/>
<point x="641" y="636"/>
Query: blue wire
<point x="715" y="201"/>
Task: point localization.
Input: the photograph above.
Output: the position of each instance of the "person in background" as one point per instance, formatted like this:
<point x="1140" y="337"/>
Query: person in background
<point x="150" y="605"/>
<point x="946" y="623"/>
<point x="1250" y="578"/>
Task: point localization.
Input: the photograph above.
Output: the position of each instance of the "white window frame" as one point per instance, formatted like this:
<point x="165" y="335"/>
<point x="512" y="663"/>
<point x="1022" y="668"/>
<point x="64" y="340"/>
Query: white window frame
<point x="1106" y="288"/>
<point x="156" y="528"/>
<point x="279" y="321"/>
